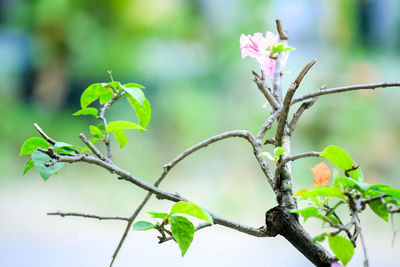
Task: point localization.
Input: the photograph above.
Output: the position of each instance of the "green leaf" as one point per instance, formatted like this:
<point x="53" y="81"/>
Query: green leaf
<point x="28" y="166"/>
<point x="353" y="184"/>
<point x="116" y="128"/>
<point x="121" y="137"/>
<point x="116" y="86"/>
<point x="269" y="156"/>
<point x="279" y="151"/>
<point x="341" y="247"/>
<point x="393" y="192"/>
<point x="101" y="127"/>
<point x="93" y="92"/>
<point x="122" y="125"/>
<point x="308" y="212"/>
<point x="86" y="111"/>
<point x="94" y="140"/>
<point x="279" y="48"/>
<point x="40" y="159"/>
<point x="192" y="210"/>
<point x="182" y="231"/>
<point x="319" y="238"/>
<point x="143" y="225"/>
<point x="96" y="131"/>
<point x="134" y="92"/>
<point x="158" y="215"/>
<point x="143" y="112"/>
<point x="342" y="160"/>
<point x="134" y="85"/>
<point x="379" y="209"/>
<point x="324" y="191"/>
<point x="32" y="144"/>
<point x="68" y="148"/>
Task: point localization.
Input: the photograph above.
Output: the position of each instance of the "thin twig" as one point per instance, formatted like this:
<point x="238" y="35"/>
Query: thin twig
<point x="198" y="227"/>
<point x="110" y="74"/>
<point x="44" y="135"/>
<point x="260" y="82"/>
<point x="280" y="63"/>
<point x="345" y="89"/>
<point x="300" y="111"/>
<point x="103" y="118"/>
<point x="92" y="147"/>
<point x="73" y="214"/>
<point x="267" y="124"/>
<point x="283" y="35"/>
<point x="287" y="101"/>
<point x="299" y="156"/>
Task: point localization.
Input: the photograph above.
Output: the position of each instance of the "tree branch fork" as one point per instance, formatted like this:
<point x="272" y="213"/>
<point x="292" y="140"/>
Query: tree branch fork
<point x="278" y="220"/>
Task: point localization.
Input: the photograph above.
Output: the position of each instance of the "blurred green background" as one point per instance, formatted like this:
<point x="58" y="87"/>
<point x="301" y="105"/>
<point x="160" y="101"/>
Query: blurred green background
<point x="187" y="55"/>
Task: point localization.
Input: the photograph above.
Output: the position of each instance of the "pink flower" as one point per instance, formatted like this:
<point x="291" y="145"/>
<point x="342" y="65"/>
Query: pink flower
<point x="258" y="47"/>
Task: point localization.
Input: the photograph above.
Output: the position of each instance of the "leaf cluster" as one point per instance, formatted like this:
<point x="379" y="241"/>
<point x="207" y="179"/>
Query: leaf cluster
<point x="348" y="190"/>
<point x="181" y="228"/>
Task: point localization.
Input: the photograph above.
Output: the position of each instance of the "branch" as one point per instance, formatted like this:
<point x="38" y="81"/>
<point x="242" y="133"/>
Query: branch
<point x="287" y="102"/>
<point x="280" y="63"/>
<point x="161" y="194"/>
<point x="283" y="35"/>
<point x="260" y="82"/>
<point x="345" y="89"/>
<point x="44" y="135"/>
<point x="87" y="216"/>
<point x="299" y="156"/>
<point x="92" y="147"/>
<point x="267" y="125"/>
<point x="167" y="167"/>
<point x="300" y="111"/>
<point x="198" y="227"/>
<point x="103" y="118"/>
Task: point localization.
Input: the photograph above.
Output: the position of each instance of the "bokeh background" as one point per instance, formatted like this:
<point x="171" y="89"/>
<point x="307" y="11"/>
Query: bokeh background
<point x="187" y="55"/>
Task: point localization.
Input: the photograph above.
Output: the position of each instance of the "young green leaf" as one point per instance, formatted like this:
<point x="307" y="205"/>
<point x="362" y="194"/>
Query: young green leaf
<point x="279" y="48"/>
<point x="269" y="156"/>
<point x="324" y="191"/>
<point x="348" y="182"/>
<point x="158" y="215"/>
<point x="393" y="192"/>
<point x="134" y="85"/>
<point x="143" y="112"/>
<point x="319" y="238"/>
<point x="192" y="210"/>
<point x="134" y="92"/>
<point x="299" y="192"/>
<point x="93" y="92"/>
<point x="122" y="125"/>
<point x="379" y="209"/>
<point x="28" y="166"/>
<point x="101" y="127"/>
<point x="68" y="149"/>
<point x="116" y="86"/>
<point x="96" y="131"/>
<point x="40" y="159"/>
<point x="121" y="137"/>
<point x="86" y="111"/>
<point x="182" y="231"/>
<point x="341" y="247"/>
<point x="143" y="225"/>
<point x="32" y="144"/>
<point x="342" y="160"/>
<point x="308" y="212"/>
<point x="116" y="128"/>
<point x="279" y="151"/>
